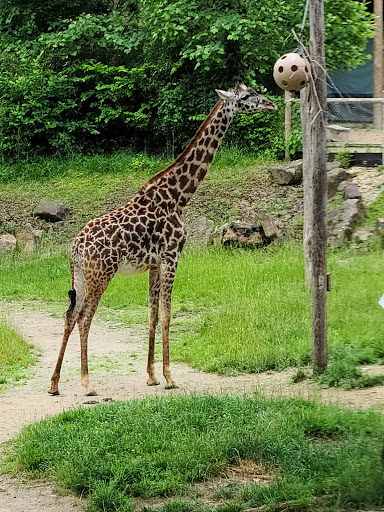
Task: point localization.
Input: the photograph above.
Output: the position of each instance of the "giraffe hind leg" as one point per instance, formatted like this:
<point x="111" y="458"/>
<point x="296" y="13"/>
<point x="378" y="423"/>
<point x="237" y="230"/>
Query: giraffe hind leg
<point x="69" y="324"/>
<point x="95" y="287"/>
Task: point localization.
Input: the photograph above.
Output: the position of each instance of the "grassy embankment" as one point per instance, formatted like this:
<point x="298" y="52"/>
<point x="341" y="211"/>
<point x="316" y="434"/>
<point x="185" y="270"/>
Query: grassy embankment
<point x="234" y="310"/>
<point x="317" y="457"/>
<point x="15" y="356"/>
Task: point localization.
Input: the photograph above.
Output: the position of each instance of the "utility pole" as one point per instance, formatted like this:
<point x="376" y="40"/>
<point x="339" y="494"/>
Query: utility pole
<point x="314" y="107"/>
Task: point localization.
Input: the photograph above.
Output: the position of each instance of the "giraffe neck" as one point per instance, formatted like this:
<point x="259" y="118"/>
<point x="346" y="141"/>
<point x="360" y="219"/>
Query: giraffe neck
<point x="178" y="182"/>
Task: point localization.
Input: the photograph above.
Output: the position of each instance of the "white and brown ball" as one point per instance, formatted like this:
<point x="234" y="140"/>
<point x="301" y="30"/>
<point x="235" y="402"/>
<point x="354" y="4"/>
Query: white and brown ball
<point x="291" y="72"/>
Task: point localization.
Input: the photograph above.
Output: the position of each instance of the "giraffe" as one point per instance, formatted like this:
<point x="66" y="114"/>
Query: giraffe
<point x="147" y="234"/>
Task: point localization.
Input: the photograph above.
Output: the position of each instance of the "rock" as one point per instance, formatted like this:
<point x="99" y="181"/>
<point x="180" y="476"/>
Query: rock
<point x="380" y="226"/>
<point x="199" y="231"/>
<point x="362" y="235"/>
<point x="334" y="178"/>
<point x="287" y="174"/>
<point x="28" y="238"/>
<point x="52" y="211"/>
<point x="7" y="243"/>
<point x="349" y="190"/>
<point x="58" y="226"/>
<point x="352" y="172"/>
<point x="243" y="234"/>
<point x="216" y="238"/>
<point x="333" y="165"/>
<point x="343" y="220"/>
<point x="268" y="225"/>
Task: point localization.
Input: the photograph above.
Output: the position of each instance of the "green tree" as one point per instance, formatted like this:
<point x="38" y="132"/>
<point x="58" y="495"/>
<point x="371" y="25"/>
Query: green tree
<point x="78" y="75"/>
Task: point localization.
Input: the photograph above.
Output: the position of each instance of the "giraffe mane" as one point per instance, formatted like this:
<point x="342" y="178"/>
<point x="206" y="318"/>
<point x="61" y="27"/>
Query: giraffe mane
<point x="191" y="144"/>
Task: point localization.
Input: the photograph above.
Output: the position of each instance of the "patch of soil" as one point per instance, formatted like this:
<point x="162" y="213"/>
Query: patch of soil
<point x="17" y="495"/>
<point x="118" y="372"/>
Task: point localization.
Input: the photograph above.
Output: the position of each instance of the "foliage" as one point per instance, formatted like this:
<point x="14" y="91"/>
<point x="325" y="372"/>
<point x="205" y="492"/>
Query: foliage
<point x="310" y="451"/>
<point x="88" y="75"/>
<point x="342" y="370"/>
<point x="375" y="210"/>
<point x="15" y="356"/>
<point x="344" y="157"/>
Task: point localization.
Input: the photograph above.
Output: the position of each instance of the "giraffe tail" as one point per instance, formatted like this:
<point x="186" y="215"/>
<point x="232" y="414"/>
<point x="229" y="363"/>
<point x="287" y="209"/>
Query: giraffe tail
<point x="72" y="297"/>
<point x="72" y="292"/>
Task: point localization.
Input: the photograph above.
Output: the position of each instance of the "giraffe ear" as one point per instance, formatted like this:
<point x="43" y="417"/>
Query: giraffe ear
<point x="226" y="95"/>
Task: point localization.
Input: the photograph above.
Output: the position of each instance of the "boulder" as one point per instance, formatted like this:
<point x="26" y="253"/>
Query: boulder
<point x="268" y="225"/>
<point x="28" y="238"/>
<point x="362" y="235"/>
<point x="287" y="174"/>
<point x="243" y="234"/>
<point x="52" y="211"/>
<point x="199" y="231"/>
<point x="7" y="243"/>
<point x="334" y="178"/>
<point x="343" y="220"/>
<point x="216" y="238"/>
<point x="380" y="226"/>
<point x="333" y="165"/>
<point x="349" y="190"/>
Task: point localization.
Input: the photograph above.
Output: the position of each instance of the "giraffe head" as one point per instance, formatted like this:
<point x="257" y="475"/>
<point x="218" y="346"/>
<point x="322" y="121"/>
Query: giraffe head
<point x="245" y="99"/>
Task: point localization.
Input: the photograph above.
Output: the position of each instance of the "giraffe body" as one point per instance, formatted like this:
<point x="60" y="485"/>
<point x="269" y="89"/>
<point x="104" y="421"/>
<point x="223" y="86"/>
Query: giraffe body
<point x="147" y="234"/>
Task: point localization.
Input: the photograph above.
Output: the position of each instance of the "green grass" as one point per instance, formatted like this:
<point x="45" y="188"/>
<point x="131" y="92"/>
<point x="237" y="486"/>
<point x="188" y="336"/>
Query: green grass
<point x="374" y="210"/>
<point x="92" y="185"/>
<point x="15" y="356"/>
<point x="234" y="311"/>
<point x="156" y="447"/>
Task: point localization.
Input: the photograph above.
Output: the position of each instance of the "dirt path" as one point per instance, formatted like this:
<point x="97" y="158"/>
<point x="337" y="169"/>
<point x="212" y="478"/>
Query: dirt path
<point x="117" y="368"/>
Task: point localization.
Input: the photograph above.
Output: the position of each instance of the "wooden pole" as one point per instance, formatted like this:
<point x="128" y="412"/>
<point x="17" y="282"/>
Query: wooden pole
<point x="315" y="160"/>
<point x="288" y="121"/>
<point x="307" y="183"/>
<point x="378" y="63"/>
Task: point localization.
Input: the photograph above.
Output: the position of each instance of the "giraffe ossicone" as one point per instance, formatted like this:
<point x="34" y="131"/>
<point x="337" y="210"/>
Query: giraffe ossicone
<point x="147" y="234"/>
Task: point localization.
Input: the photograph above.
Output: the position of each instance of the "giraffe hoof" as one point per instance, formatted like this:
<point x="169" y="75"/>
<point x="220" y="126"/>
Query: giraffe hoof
<point x="172" y="385"/>
<point x="152" y="382"/>
<point x="53" y="392"/>
<point x="91" y="393"/>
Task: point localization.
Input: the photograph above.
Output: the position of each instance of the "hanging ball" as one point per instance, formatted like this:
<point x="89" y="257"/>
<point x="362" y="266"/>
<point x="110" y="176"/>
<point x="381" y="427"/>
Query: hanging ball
<point x="291" y="72"/>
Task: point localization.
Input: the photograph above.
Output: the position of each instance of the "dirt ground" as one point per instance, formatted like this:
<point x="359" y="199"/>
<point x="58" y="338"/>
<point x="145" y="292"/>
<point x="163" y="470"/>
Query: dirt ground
<point x="117" y="369"/>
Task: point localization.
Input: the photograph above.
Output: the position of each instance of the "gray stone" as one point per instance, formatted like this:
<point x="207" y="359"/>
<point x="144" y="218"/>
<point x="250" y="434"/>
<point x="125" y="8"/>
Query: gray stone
<point x="349" y="190"/>
<point x="287" y="174"/>
<point x="28" y="238"/>
<point x="243" y="234"/>
<point x="268" y="225"/>
<point x="58" y="226"/>
<point x="380" y="226"/>
<point x="199" y="231"/>
<point x="343" y="220"/>
<point x="333" y="165"/>
<point x="52" y="211"/>
<point x="7" y="243"/>
<point x="334" y="178"/>
<point x="362" y="235"/>
<point x="216" y="238"/>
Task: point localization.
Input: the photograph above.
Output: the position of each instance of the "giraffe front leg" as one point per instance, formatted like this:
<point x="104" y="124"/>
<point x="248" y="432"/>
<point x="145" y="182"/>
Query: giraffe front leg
<point x="154" y="291"/>
<point x="167" y="277"/>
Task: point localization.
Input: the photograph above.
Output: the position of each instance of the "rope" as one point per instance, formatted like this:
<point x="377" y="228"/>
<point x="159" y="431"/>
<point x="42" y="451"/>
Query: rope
<point x="304" y="18"/>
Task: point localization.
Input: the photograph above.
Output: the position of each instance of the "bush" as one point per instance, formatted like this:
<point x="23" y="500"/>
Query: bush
<point x="84" y="76"/>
